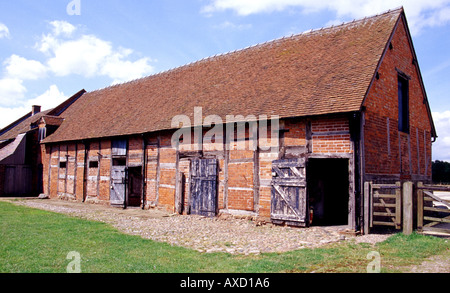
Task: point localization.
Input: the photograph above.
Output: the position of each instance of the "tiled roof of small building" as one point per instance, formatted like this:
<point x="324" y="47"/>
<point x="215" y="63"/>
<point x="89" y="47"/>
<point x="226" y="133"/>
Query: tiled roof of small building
<point x="20" y="126"/>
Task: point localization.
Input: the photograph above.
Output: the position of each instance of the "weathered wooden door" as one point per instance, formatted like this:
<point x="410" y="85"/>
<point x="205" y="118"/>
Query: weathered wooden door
<point x="119" y="174"/>
<point x="289" y="197"/>
<point x="118" y="182"/>
<point x="203" y="188"/>
<point x="18" y="180"/>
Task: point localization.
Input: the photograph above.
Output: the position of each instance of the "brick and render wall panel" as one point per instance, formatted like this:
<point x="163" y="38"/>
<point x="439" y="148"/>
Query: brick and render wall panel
<point x="152" y="172"/>
<point x="240" y="175"/>
<point x="80" y="172"/>
<point x="388" y="151"/>
<point x="167" y="180"/>
<point x="62" y="154"/>
<point x="236" y="178"/>
<point x="135" y="151"/>
<point x="104" y="165"/>
<point x="265" y="178"/>
<point x="93" y="172"/>
<point x="54" y="165"/>
<point x="71" y="170"/>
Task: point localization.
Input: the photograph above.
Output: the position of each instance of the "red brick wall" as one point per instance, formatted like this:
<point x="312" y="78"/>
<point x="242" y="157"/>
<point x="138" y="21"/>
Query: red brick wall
<point x="45" y="154"/>
<point x="388" y="151"/>
<point x="324" y="141"/>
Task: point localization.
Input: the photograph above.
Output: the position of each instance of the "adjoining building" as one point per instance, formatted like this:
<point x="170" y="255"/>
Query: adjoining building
<point x="20" y="150"/>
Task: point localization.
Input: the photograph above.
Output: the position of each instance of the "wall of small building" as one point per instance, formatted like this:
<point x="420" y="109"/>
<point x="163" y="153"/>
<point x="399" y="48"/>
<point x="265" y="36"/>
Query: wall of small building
<point x="244" y="175"/>
<point x="20" y="173"/>
<point x="392" y="155"/>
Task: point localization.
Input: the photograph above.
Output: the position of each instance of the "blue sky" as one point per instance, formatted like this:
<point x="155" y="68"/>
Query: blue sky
<point x="49" y="52"/>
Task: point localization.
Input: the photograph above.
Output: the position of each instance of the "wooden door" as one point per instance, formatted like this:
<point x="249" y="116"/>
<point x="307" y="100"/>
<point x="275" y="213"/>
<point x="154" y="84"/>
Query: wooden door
<point x="118" y="182"/>
<point x="18" y="180"/>
<point x="119" y="174"/>
<point x="289" y="197"/>
<point x="203" y="189"/>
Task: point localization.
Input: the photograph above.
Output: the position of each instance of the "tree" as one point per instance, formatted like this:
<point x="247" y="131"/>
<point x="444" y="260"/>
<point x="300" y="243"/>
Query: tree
<point x="441" y="172"/>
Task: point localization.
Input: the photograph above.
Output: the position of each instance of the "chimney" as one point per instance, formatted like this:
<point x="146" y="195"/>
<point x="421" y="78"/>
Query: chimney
<point x="35" y="110"/>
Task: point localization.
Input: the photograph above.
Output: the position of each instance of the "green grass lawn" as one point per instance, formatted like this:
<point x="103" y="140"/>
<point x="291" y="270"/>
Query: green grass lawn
<point x="35" y="241"/>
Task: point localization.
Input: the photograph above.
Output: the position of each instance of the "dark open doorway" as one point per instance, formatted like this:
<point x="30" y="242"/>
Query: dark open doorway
<point x="328" y="191"/>
<point x="134" y="186"/>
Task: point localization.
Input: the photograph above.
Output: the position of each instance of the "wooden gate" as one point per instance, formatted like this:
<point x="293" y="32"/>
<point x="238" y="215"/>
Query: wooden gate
<point x="289" y="198"/>
<point x="433" y="211"/>
<point x="383" y="205"/>
<point x="203" y="189"/>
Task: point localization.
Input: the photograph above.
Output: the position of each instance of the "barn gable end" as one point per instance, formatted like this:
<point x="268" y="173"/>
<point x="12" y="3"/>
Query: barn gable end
<point x="393" y="153"/>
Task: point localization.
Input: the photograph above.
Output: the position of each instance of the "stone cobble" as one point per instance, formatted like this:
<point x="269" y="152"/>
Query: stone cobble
<point x="222" y="234"/>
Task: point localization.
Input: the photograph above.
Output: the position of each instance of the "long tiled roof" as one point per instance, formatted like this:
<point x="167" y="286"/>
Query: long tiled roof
<point x="319" y="72"/>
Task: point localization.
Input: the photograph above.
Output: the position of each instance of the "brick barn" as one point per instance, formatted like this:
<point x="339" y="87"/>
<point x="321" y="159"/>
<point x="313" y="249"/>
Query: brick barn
<point x="351" y="104"/>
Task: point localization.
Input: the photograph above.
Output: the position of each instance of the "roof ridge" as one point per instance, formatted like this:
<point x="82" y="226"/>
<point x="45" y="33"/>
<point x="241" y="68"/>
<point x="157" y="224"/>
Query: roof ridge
<point x="273" y="41"/>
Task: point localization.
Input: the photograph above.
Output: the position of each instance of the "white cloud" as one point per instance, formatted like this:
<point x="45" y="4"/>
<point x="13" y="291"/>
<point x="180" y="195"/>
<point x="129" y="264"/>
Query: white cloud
<point x="12" y="91"/>
<point x="48" y="100"/>
<point x="89" y="56"/>
<point x="83" y="56"/>
<point x="62" y="28"/>
<point x="441" y="148"/>
<point x="4" y="31"/>
<point x="420" y="13"/>
<point x="21" y="68"/>
<point x="123" y="70"/>
<point x="67" y="52"/>
<point x="9" y="115"/>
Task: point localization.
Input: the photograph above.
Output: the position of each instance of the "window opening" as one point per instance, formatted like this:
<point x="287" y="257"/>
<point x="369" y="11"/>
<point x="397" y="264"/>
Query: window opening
<point x="403" y="104"/>
<point x="93" y="164"/>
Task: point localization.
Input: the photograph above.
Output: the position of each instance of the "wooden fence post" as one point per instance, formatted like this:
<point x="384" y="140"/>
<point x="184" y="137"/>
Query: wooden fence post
<point x="366" y="207"/>
<point x="398" y="206"/>
<point x="419" y="207"/>
<point x="407" y="208"/>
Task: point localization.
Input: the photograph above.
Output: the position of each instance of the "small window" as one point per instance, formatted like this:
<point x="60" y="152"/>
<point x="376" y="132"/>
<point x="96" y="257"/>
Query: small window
<point x="403" y="104"/>
<point x="120" y="162"/>
<point x="93" y="164"/>
<point x="62" y="165"/>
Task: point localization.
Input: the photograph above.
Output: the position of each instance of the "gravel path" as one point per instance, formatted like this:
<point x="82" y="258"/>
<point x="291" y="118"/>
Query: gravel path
<point x="222" y="234"/>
